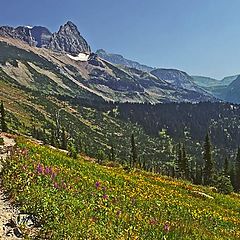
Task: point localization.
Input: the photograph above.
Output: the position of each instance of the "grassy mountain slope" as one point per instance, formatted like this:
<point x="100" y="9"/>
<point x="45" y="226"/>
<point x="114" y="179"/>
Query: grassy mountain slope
<point x="95" y="129"/>
<point x="56" y="73"/>
<point x="77" y="199"/>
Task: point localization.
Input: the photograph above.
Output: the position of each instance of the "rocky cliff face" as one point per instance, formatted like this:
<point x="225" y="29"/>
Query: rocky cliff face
<point x="68" y="39"/>
<point x="21" y="33"/>
<point x="41" y="35"/>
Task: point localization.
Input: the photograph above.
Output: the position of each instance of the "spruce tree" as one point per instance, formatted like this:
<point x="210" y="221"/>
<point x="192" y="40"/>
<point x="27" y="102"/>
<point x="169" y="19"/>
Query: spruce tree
<point x="64" y="139"/>
<point x="199" y="175"/>
<point x="208" y="172"/>
<point x="3" y="120"/>
<point x="112" y="153"/>
<point x="237" y="171"/>
<point x="179" y="169"/>
<point x="226" y="167"/>
<point x="185" y="165"/>
<point x="133" y="152"/>
<point x="53" y="138"/>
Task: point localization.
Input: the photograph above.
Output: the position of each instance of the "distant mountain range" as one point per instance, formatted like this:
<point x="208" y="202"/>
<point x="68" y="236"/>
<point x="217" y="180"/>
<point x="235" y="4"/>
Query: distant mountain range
<point x="120" y="60"/>
<point x="62" y="63"/>
<point x="226" y="89"/>
<point x="211" y="82"/>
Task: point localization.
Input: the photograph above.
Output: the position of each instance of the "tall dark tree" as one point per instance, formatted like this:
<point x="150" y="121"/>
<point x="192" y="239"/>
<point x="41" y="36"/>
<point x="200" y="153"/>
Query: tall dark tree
<point x="53" y="138"/>
<point x="64" y="139"/>
<point x="199" y="175"/>
<point x="208" y="171"/>
<point x="179" y="167"/>
<point x="226" y="167"/>
<point x="133" y="152"/>
<point x="112" y="153"/>
<point x="3" y="120"/>
<point x="237" y="171"/>
<point x="185" y="164"/>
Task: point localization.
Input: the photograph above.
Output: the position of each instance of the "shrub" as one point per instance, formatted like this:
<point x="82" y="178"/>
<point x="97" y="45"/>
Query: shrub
<point x="224" y="184"/>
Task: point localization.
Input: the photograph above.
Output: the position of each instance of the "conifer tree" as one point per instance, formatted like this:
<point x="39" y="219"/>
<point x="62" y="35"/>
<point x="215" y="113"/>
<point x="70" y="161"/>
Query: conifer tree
<point x="199" y="175"/>
<point x="237" y="171"/>
<point x="185" y="165"/>
<point x="64" y="139"/>
<point x="208" y="172"/>
<point x="179" y="169"/>
<point x="133" y="152"/>
<point x="226" y="167"/>
<point x="112" y="153"/>
<point x="3" y="120"/>
<point x="53" y="138"/>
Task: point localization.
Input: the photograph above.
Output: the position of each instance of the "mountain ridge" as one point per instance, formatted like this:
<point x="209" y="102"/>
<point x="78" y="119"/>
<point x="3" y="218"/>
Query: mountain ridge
<point x="67" y="39"/>
<point x="56" y="69"/>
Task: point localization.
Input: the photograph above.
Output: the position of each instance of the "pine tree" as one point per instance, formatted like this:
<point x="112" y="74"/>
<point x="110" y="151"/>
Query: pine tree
<point x="64" y="139"/>
<point x="3" y="120"/>
<point x="179" y="164"/>
<point x="237" y="171"/>
<point x="199" y="175"/>
<point x="53" y="138"/>
<point x="208" y="172"/>
<point x="133" y="152"/>
<point x="185" y="165"/>
<point x="226" y="167"/>
<point x="112" y="153"/>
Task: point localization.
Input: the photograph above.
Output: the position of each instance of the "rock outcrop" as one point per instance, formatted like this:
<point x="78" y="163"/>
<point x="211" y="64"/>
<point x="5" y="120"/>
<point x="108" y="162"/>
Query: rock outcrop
<point x="68" y="39"/>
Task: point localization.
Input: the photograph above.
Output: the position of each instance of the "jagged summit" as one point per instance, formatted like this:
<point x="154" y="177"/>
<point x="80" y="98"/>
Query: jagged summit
<point x="68" y="39"/>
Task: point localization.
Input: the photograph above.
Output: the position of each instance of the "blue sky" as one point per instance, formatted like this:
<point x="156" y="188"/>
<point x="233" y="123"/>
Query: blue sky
<point x="201" y="37"/>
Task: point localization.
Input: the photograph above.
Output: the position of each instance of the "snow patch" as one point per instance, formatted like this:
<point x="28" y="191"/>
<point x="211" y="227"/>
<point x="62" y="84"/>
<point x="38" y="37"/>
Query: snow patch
<point x="29" y="27"/>
<point x="83" y="57"/>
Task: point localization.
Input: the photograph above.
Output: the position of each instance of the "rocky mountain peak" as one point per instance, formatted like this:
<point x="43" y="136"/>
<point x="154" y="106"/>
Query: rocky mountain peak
<point x="68" y="39"/>
<point x="21" y="32"/>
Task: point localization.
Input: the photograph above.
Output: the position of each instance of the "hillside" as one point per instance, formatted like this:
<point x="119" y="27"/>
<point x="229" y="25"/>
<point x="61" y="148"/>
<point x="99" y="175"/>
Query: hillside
<point x="53" y="64"/>
<point x="231" y="92"/>
<point x="77" y="199"/>
<point x="120" y="60"/>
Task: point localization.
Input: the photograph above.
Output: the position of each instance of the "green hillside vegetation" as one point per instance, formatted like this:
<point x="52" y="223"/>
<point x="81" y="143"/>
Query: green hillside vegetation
<point x="78" y="199"/>
<point x="90" y="130"/>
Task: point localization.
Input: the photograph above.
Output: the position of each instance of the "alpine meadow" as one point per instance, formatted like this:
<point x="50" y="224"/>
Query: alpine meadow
<point x="95" y="145"/>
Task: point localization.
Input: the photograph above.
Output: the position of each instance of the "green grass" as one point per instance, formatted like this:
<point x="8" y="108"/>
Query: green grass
<point x="78" y="199"/>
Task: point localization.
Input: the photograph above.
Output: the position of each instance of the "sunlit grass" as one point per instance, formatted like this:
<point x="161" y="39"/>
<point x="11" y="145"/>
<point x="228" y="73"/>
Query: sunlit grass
<point x="77" y="199"/>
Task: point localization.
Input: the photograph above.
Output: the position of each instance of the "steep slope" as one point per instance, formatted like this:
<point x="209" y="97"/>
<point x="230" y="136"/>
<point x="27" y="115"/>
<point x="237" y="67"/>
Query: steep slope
<point x="77" y="199"/>
<point x="41" y="35"/>
<point x="208" y="82"/>
<point x="225" y="89"/>
<point x="231" y="92"/>
<point x="178" y="79"/>
<point x="120" y="60"/>
<point x="228" y="80"/>
<point x="205" y="81"/>
<point x="68" y="39"/>
<point x="60" y="73"/>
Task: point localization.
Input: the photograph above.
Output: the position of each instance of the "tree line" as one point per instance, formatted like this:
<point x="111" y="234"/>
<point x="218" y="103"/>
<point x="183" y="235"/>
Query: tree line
<point x="202" y="172"/>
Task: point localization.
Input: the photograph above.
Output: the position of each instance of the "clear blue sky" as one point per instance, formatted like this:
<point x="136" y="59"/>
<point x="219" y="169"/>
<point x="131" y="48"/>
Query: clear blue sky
<point x="201" y="37"/>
